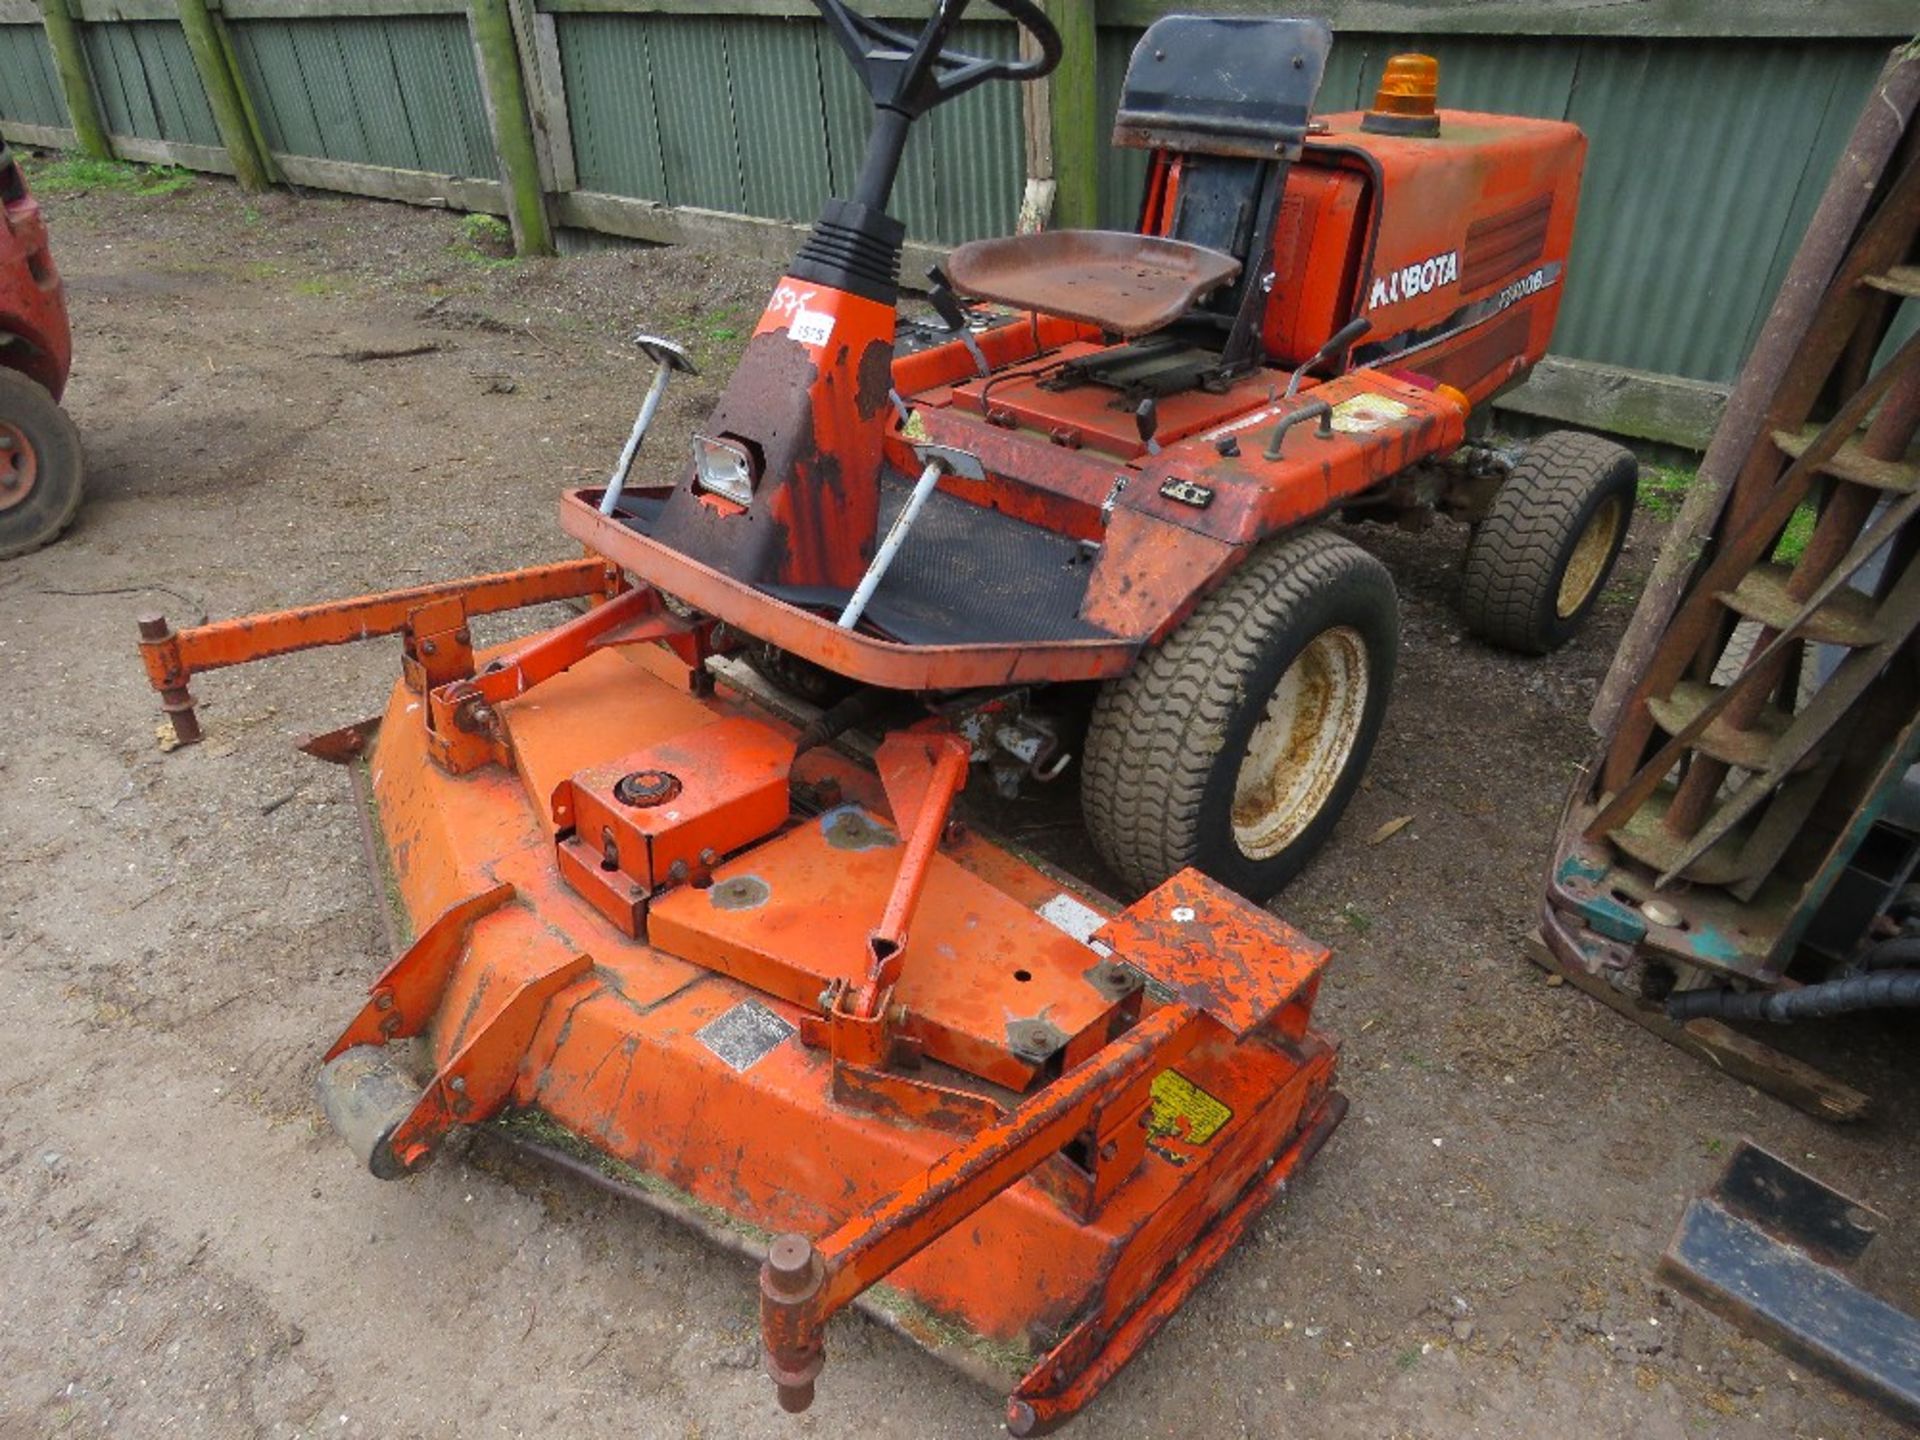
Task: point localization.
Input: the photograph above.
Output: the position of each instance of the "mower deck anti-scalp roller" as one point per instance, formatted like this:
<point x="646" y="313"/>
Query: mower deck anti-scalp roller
<point x="788" y="995"/>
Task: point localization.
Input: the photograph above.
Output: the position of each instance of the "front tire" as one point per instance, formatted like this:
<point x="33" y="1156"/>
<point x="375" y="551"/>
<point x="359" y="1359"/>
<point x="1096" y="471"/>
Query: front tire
<point x="1537" y="563"/>
<point x="40" y="466"/>
<point x="1235" y="744"/>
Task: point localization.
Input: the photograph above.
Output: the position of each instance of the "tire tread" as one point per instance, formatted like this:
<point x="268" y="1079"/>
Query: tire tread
<point x="1144" y="778"/>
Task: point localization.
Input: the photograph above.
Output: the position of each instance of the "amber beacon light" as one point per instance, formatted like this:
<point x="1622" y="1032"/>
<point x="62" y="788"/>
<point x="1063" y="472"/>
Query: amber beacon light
<point x="1404" y="103"/>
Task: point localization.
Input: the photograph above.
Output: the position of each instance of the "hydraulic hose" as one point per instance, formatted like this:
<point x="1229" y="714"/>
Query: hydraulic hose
<point x="1898" y="953"/>
<point x="833" y="722"/>
<point x="1881" y="990"/>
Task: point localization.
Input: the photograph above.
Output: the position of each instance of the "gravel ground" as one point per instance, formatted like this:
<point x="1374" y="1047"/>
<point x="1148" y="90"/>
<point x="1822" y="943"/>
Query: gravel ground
<point x="184" y="1249"/>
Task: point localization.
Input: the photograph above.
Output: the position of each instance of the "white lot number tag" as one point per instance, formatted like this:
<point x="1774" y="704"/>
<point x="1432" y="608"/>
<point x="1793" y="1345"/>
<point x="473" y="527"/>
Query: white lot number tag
<point x="811" y="327"/>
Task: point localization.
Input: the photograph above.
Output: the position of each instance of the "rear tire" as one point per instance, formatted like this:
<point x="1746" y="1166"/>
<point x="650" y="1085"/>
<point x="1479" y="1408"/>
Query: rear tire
<point x="1537" y="563"/>
<point x="1235" y="744"/>
<point x="41" y="466"/>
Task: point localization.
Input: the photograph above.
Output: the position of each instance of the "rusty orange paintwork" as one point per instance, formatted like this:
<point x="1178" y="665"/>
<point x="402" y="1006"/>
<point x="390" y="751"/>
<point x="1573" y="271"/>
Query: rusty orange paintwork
<point x="173" y="657"/>
<point x="841" y="1022"/>
<point x="850" y="653"/>
<point x="791" y="1141"/>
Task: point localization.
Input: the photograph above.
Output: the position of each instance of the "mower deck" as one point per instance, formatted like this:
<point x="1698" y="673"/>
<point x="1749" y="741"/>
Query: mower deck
<point x="681" y="1034"/>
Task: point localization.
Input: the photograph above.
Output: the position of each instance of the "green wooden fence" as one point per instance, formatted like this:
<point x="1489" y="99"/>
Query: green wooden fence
<point x="1712" y="129"/>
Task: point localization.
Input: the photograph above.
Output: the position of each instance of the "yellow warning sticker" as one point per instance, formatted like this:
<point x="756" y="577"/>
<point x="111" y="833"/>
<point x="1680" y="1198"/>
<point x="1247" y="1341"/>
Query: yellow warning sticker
<point x="1359" y="414"/>
<point x="1183" y="1115"/>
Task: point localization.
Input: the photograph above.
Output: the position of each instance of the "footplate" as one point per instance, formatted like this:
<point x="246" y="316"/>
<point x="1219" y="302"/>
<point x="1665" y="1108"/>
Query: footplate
<point x="1765" y="1248"/>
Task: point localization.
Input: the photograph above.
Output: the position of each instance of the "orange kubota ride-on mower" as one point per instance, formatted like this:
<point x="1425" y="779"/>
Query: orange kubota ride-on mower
<point x="785" y="993"/>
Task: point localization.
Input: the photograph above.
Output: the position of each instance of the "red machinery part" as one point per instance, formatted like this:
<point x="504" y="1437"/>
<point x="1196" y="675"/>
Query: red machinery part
<point x="33" y="304"/>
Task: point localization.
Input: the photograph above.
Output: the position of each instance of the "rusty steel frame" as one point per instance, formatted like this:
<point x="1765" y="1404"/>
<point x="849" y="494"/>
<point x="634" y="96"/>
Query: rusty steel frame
<point x="1752" y="407"/>
<point x="174" y="657"/>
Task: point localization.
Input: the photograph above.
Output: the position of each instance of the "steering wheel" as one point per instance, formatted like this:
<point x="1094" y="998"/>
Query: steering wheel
<point x="912" y="74"/>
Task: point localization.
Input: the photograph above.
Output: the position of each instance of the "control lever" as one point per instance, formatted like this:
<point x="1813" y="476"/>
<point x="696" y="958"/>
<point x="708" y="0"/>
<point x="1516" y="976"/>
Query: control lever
<point x="668" y="357"/>
<point x="947" y="306"/>
<point x="939" y="460"/>
<point x="1336" y="342"/>
<point x="1146" y="419"/>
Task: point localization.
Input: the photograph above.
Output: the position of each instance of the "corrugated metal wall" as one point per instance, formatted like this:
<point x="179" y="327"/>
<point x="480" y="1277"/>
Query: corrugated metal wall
<point x="1706" y="156"/>
<point x="765" y="117"/>
<point x="29" y="85"/>
<point x="144" y="75"/>
<point x="400" y="91"/>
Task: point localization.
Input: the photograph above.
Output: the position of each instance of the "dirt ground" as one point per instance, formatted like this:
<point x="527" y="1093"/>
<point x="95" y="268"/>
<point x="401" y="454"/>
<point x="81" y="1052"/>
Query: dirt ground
<point x="185" y="1249"/>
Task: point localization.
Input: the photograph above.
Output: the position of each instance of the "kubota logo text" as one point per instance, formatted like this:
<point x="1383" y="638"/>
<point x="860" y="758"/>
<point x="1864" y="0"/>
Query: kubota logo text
<point x="1416" y="279"/>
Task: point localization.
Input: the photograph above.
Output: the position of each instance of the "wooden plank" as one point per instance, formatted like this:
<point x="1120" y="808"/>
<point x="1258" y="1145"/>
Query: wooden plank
<point x="503" y="91"/>
<point x="336" y="9"/>
<point x="101" y="12"/>
<point x="76" y="79"/>
<point x="142" y="151"/>
<point x="221" y="78"/>
<point x="1892" y="20"/>
<point x="539" y="44"/>
<point x="46" y="137"/>
<point x="772" y="240"/>
<point x="1721" y="1046"/>
<point x="1636" y="403"/>
<point x="761" y="9"/>
<point x="19" y="12"/>
<point x="1074" y="128"/>
<point x="416" y="187"/>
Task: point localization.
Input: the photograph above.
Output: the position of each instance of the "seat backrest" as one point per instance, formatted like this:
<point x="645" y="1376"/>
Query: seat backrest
<point x="1223" y="85"/>
<point x="1217" y="205"/>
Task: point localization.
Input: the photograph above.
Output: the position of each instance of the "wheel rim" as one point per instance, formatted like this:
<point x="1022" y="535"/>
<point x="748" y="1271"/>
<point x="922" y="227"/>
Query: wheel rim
<point x="19" y="466"/>
<point x="1301" y="746"/>
<point x="1588" y="562"/>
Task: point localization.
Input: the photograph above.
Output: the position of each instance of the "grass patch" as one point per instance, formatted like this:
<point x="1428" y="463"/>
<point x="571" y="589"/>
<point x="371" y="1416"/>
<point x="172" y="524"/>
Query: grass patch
<point x="485" y="241"/>
<point x="81" y="175"/>
<point x="1662" y="488"/>
<point x="1793" y="540"/>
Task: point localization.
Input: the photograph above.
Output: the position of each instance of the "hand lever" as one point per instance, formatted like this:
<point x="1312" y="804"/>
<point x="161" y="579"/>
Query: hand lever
<point x="947" y="306"/>
<point x="669" y="357"/>
<point x="1146" y="419"/>
<point x="1336" y="342"/>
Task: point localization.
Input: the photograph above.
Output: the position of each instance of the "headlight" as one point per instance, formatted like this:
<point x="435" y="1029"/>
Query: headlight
<point x="724" y="468"/>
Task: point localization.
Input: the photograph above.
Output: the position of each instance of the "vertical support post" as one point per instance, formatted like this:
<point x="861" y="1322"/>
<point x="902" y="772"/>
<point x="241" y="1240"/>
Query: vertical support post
<point x="76" y="79"/>
<point x="539" y="47"/>
<point x="505" y="91"/>
<point x="223" y="95"/>
<point x="1036" y="120"/>
<point x="1073" y="105"/>
<point x="254" y="127"/>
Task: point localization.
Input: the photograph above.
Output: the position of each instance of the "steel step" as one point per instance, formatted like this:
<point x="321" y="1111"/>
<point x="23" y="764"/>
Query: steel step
<point x="1847" y="618"/>
<point x="1645" y="839"/>
<point x="1849" y="462"/>
<point x="1900" y="280"/>
<point x="1750" y="749"/>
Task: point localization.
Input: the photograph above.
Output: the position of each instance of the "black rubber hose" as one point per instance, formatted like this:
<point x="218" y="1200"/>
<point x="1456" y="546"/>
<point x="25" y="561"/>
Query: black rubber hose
<point x="1898" y="953"/>
<point x="833" y="722"/>
<point x="1883" y="990"/>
